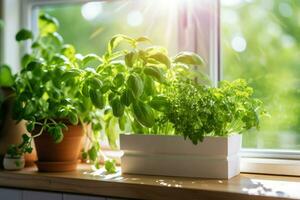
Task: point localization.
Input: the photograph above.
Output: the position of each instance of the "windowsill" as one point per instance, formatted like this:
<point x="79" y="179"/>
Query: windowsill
<point x="83" y="181"/>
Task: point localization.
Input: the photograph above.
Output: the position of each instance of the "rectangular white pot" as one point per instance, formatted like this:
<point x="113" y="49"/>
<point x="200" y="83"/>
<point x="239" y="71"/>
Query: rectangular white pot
<point x="215" y="157"/>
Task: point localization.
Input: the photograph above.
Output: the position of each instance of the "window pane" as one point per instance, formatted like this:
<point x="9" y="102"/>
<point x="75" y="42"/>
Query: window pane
<point x="89" y="26"/>
<point x="176" y="24"/>
<point x="261" y="43"/>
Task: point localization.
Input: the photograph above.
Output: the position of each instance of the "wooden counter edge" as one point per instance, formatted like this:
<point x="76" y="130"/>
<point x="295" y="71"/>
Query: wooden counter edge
<point x="115" y="189"/>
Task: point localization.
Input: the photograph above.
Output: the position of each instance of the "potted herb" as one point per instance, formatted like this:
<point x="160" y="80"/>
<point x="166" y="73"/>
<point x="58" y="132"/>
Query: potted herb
<point x="14" y="158"/>
<point x="10" y="130"/>
<point x="133" y="80"/>
<point x="180" y="127"/>
<point x="10" y="133"/>
<point x="205" y="124"/>
<point x="49" y="97"/>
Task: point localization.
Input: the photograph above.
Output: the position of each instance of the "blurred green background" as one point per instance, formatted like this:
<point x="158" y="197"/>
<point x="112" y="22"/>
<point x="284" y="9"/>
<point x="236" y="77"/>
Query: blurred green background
<point x="260" y="42"/>
<point x="91" y="25"/>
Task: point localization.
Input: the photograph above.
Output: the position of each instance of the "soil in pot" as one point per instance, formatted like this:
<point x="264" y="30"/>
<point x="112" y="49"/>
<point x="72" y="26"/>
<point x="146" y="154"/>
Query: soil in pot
<point x="53" y="157"/>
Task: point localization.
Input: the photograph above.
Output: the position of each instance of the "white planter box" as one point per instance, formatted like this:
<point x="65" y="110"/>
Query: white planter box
<point x="215" y="157"/>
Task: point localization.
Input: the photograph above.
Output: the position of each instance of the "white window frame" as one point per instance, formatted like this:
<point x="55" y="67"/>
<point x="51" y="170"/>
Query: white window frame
<point x="11" y="12"/>
<point x="280" y="162"/>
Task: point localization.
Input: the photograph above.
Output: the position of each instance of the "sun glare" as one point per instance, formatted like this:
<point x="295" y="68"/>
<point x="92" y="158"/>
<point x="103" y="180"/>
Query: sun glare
<point x="135" y="18"/>
<point x="91" y="10"/>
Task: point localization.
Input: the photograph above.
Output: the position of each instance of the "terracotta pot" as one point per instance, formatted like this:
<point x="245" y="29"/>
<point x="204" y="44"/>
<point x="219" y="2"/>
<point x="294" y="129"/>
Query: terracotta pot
<point x="64" y="155"/>
<point x="11" y="131"/>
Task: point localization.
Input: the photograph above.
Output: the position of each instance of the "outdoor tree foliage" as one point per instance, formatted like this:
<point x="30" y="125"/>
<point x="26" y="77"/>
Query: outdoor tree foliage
<point x="270" y="63"/>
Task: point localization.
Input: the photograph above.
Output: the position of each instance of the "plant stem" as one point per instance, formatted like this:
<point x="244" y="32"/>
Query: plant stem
<point x="42" y="129"/>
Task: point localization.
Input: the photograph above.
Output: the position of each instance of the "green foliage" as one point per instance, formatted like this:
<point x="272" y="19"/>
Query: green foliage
<point x="157" y="94"/>
<point x="47" y="24"/>
<point x="136" y="85"/>
<point x="189" y="58"/>
<point x="16" y="151"/>
<point x="198" y="110"/>
<point x="143" y="90"/>
<point x="134" y="78"/>
<point x="110" y="166"/>
<point x="270" y="63"/>
<point x="24" y="34"/>
<point x="55" y="89"/>
<point x="6" y="77"/>
<point x="143" y="114"/>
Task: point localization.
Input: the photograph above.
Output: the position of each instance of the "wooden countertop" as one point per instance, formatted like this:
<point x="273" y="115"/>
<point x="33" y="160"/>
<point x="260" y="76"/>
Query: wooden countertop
<point x="85" y="181"/>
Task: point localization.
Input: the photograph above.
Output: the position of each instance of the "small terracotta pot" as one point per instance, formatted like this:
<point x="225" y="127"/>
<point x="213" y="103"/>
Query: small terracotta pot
<point x="53" y="156"/>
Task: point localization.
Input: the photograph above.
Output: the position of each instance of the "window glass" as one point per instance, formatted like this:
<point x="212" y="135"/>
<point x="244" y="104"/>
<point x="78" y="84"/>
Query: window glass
<point x="90" y="25"/>
<point x="261" y="43"/>
<point x="175" y="24"/>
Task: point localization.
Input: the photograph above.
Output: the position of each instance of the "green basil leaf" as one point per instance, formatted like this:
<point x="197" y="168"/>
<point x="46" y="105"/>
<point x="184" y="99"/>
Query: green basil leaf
<point x="57" y="134"/>
<point x="155" y="73"/>
<point x="93" y="153"/>
<point x="122" y="123"/>
<point x="47" y="24"/>
<point x="24" y="34"/>
<point x="106" y="86"/>
<point x="90" y="58"/>
<point x="69" y="51"/>
<point x="127" y="97"/>
<point x="119" y="80"/>
<point x="110" y="166"/>
<point x="95" y="83"/>
<point x="116" y="40"/>
<point x="85" y="90"/>
<point x="143" y="114"/>
<point x="161" y="58"/>
<point x="189" y="58"/>
<point x="135" y="83"/>
<point x="110" y="131"/>
<point x="130" y="59"/>
<point x="97" y="98"/>
<point x="73" y="118"/>
<point x="117" y="107"/>
<point x="149" y="86"/>
<point x="30" y="126"/>
<point x="6" y="77"/>
<point x="143" y="39"/>
<point x="160" y="103"/>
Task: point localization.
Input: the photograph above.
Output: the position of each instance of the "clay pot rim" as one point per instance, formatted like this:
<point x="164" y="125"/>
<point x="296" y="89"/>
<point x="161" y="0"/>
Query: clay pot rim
<point x="61" y="120"/>
<point x="69" y="134"/>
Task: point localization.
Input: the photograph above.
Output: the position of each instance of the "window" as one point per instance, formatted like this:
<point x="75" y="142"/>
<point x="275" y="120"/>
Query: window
<point x="260" y="42"/>
<point x="177" y="25"/>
